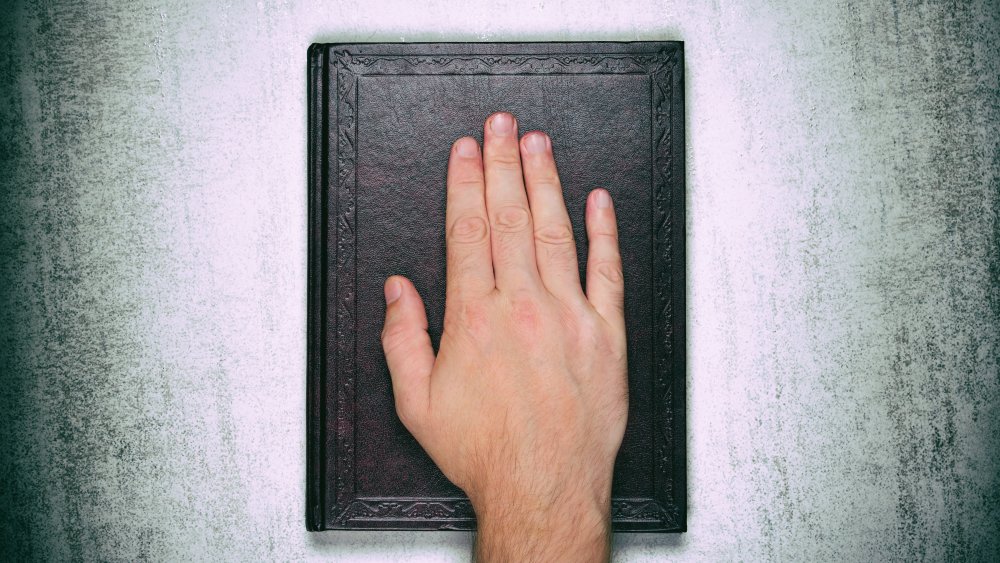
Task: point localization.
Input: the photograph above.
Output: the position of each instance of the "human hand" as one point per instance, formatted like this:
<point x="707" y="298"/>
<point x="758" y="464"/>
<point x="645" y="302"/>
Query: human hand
<point x="524" y="406"/>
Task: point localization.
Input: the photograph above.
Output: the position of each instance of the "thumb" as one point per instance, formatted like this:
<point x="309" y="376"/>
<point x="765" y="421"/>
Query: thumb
<point x="407" y="349"/>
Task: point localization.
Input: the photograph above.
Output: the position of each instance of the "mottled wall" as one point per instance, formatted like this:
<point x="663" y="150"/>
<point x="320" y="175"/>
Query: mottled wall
<point x="844" y="172"/>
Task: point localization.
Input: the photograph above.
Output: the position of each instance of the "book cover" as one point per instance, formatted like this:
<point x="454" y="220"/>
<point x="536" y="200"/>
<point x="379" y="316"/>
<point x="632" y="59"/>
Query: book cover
<point x="381" y="121"/>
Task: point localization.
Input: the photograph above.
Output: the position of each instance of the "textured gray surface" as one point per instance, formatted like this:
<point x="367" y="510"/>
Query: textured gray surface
<point x="844" y="272"/>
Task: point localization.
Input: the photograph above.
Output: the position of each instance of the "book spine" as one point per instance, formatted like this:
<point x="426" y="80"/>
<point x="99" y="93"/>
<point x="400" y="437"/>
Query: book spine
<point x="316" y="317"/>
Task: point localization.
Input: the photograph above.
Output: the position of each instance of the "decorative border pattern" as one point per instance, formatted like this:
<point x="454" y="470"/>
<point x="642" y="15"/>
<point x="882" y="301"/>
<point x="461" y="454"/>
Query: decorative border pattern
<point x="455" y="513"/>
<point x="372" y="65"/>
<point x="346" y="311"/>
<point x="634" y="514"/>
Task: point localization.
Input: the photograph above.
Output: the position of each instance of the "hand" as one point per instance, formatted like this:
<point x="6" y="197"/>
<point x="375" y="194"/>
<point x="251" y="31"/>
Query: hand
<point x="525" y="405"/>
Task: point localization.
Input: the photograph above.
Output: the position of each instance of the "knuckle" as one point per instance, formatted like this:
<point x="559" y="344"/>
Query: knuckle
<point x="546" y="183"/>
<point x="469" y="230"/>
<point x="595" y="336"/>
<point x="525" y="312"/>
<point x="461" y="266"/>
<point x="556" y="234"/>
<point x="505" y="161"/>
<point x="469" y="317"/>
<point x="512" y="219"/>
<point x="605" y="232"/>
<point x="394" y="335"/>
<point x="465" y="184"/>
<point x="587" y="330"/>
<point x="563" y="255"/>
<point x="611" y="271"/>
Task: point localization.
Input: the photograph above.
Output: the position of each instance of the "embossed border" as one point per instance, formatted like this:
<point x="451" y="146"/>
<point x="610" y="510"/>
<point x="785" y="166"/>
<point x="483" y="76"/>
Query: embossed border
<point x="331" y="171"/>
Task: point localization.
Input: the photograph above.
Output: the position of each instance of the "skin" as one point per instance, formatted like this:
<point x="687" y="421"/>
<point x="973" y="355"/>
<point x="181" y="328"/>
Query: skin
<point x="525" y="403"/>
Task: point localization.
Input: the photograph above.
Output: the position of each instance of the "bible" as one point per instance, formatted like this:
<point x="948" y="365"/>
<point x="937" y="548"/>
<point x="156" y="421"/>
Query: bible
<point x="381" y="121"/>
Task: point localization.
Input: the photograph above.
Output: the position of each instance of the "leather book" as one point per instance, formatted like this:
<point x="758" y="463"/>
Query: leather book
<point x="381" y="121"/>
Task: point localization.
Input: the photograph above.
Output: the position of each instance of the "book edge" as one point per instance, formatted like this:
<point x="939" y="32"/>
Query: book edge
<point x="318" y="103"/>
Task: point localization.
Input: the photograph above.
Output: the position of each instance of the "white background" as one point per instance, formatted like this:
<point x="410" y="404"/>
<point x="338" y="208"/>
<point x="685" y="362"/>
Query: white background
<point x="842" y="225"/>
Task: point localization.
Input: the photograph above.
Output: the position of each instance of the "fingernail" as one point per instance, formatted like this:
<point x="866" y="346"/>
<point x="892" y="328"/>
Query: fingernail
<point x="502" y="123"/>
<point x="536" y="142"/>
<point x="602" y="199"/>
<point x="467" y="147"/>
<point x="393" y="289"/>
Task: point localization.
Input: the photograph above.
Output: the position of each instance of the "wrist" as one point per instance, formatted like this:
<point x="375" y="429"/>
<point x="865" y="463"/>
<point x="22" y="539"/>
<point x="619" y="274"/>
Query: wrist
<point x="535" y="513"/>
<point x="572" y="525"/>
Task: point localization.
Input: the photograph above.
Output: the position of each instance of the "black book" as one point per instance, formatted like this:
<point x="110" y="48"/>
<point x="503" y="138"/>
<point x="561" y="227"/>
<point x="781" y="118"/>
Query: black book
<point x="382" y="119"/>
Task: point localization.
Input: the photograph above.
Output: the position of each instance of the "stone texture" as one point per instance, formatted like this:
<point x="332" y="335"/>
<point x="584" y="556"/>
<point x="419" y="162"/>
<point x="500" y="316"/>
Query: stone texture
<point x="844" y="275"/>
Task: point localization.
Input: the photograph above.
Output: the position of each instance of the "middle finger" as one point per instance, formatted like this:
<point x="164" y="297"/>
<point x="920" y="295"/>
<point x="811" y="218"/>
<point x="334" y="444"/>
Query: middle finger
<point x="507" y="205"/>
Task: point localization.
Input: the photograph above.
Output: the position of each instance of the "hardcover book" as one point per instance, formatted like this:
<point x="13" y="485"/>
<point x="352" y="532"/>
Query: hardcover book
<point x="381" y="121"/>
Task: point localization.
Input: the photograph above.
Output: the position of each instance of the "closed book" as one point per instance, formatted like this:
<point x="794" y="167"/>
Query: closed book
<point x="382" y="118"/>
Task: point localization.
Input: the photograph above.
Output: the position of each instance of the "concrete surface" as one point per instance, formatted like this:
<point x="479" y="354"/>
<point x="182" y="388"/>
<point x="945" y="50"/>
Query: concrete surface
<point x="844" y="272"/>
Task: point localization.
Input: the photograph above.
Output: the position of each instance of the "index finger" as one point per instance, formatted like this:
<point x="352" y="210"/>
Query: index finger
<point x="469" y="261"/>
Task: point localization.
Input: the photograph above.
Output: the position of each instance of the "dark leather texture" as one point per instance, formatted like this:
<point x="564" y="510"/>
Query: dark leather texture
<point x="382" y="119"/>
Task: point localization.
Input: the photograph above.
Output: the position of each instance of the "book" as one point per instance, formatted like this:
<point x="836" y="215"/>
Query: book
<point x="381" y="121"/>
